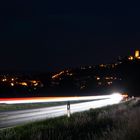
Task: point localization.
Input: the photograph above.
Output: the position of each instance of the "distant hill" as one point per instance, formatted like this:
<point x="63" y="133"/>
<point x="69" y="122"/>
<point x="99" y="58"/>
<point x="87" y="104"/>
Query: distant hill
<point x="121" y="76"/>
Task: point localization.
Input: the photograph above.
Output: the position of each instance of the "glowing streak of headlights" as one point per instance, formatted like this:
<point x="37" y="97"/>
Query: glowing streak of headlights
<point x="116" y="97"/>
<point x="12" y="118"/>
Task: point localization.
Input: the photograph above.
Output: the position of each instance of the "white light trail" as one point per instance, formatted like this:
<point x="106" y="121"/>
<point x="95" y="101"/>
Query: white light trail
<point x="116" y="97"/>
<point x="18" y="117"/>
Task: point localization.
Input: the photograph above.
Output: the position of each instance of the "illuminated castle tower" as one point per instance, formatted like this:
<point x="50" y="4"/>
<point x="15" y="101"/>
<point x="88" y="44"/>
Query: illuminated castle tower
<point x="136" y="56"/>
<point x="137" y="53"/>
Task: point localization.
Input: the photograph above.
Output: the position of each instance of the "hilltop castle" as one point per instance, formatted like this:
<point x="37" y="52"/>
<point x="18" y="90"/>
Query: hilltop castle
<point x="136" y="56"/>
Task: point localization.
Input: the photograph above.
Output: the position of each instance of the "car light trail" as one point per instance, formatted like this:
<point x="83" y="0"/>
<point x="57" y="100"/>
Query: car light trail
<point x="14" y="118"/>
<point x="115" y="96"/>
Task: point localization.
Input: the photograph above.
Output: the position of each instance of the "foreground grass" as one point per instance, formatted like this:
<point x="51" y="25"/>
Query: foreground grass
<point x="118" y="122"/>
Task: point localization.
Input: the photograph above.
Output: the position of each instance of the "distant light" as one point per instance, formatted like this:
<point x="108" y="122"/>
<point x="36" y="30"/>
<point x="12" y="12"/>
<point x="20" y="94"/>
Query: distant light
<point x="110" y="78"/>
<point x="82" y="87"/>
<point x="23" y="84"/>
<point x="12" y="79"/>
<point x="57" y="75"/>
<point x="109" y="83"/>
<point x="107" y="78"/>
<point x="113" y="66"/>
<point x="102" y="65"/>
<point x="98" y="78"/>
<point x="3" y="80"/>
<point x="130" y="57"/>
<point x="34" y="82"/>
<point x="12" y="84"/>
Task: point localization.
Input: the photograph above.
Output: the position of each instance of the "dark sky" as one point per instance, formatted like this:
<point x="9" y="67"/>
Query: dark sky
<point x="51" y="35"/>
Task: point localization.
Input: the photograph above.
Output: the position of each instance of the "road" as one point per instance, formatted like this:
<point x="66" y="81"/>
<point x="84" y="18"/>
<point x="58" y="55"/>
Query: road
<point x="14" y="118"/>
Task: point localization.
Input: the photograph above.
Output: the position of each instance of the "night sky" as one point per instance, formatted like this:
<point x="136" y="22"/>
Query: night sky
<point x="52" y="35"/>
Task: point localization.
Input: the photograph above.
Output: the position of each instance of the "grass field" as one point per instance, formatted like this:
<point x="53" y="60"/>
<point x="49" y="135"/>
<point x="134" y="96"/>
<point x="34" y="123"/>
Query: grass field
<point x="117" y="122"/>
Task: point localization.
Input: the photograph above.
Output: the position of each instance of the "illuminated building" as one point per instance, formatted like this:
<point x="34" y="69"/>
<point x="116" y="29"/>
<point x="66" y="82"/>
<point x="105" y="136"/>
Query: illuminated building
<point x="136" y="56"/>
<point x="137" y="53"/>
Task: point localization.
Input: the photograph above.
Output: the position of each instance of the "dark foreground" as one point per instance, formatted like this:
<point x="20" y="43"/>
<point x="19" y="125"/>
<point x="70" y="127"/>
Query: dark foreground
<point x="118" y="122"/>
